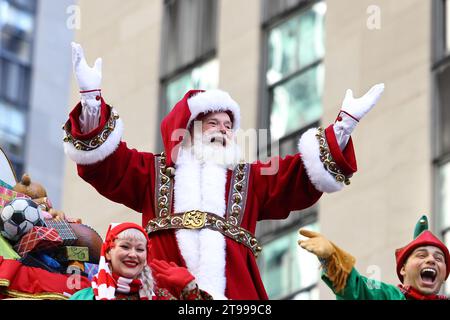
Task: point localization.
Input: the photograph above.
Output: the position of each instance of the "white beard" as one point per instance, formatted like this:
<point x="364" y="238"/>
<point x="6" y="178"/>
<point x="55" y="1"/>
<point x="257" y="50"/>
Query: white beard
<point x="206" y="151"/>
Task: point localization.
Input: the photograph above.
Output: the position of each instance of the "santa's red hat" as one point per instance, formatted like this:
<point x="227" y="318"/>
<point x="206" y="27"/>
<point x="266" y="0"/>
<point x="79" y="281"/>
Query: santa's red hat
<point x="422" y="237"/>
<point x="193" y="104"/>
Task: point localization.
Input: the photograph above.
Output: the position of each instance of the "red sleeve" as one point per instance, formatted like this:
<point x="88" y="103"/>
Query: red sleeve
<point x="285" y="188"/>
<point x="346" y="159"/>
<point x="125" y="176"/>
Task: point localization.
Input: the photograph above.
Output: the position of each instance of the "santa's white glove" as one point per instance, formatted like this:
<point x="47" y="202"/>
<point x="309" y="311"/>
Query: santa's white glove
<point x="89" y="81"/>
<point x="353" y="110"/>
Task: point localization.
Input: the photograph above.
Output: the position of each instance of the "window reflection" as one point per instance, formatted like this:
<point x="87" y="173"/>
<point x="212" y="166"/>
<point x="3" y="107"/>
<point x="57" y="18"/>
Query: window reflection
<point x="16" y="35"/>
<point x="286" y="268"/>
<point x="445" y="195"/>
<point x="12" y="129"/>
<point x="295" y="44"/>
<point x="205" y="76"/>
<point x="297" y="103"/>
<point x="447" y="25"/>
<point x="295" y="73"/>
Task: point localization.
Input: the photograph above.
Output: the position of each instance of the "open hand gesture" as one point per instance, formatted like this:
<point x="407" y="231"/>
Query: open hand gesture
<point x="359" y="107"/>
<point x="88" y="78"/>
<point x="316" y="244"/>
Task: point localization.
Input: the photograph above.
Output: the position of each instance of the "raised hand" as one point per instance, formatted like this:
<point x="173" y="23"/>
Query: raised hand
<point x="359" y="107"/>
<point x="316" y="244"/>
<point x="88" y="78"/>
<point x="170" y="275"/>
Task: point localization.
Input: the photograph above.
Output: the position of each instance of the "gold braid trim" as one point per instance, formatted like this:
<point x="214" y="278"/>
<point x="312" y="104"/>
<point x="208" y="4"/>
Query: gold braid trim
<point x="339" y="265"/>
<point x="4" y="282"/>
<point x="36" y="296"/>
<point x="95" y="142"/>
<point x="327" y="159"/>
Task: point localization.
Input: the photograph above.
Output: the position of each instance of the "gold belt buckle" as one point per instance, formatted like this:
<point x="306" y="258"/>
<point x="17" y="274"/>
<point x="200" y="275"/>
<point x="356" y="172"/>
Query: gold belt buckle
<point x="194" y="219"/>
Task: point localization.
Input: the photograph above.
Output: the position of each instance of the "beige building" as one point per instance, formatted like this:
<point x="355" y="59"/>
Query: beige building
<point x="288" y="64"/>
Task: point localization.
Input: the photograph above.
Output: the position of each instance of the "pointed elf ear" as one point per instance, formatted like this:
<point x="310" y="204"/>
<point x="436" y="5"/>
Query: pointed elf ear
<point x="421" y="226"/>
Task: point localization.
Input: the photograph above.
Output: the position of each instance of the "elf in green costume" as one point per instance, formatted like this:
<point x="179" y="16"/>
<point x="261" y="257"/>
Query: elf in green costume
<point x="422" y="267"/>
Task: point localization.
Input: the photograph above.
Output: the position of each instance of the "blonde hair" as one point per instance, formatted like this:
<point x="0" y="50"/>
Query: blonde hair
<point x="146" y="274"/>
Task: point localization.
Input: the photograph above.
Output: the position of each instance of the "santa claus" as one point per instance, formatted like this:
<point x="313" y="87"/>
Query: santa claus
<point x="199" y="204"/>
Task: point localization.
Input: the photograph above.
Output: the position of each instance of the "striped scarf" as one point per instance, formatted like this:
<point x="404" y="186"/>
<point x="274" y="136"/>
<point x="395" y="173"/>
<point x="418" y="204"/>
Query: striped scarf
<point x="105" y="285"/>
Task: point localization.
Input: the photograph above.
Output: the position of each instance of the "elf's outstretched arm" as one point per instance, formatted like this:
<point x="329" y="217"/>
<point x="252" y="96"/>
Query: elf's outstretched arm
<point x="339" y="273"/>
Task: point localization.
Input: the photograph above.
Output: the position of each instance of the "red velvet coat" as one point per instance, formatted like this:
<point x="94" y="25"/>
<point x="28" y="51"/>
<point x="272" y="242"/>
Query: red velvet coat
<point x="127" y="176"/>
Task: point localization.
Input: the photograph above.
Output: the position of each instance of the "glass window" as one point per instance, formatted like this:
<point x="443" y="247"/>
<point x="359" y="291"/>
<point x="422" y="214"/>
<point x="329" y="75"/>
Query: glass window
<point x="12" y="130"/>
<point x="287" y="270"/>
<point x="447" y="25"/>
<point x="205" y="76"/>
<point x="271" y="8"/>
<point x="295" y="73"/>
<point x="189" y="33"/>
<point x="15" y="82"/>
<point x="444" y="189"/>
<point x="295" y="44"/>
<point x="16" y="29"/>
<point x="443" y="82"/>
<point x="297" y="102"/>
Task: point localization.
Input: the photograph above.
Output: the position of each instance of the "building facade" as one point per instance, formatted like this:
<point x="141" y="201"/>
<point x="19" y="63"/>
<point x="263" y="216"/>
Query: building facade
<point x="288" y="64"/>
<point x="35" y="79"/>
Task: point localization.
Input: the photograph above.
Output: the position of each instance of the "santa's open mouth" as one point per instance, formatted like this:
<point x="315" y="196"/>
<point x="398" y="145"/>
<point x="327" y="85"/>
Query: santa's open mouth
<point x="428" y="275"/>
<point x="219" y="140"/>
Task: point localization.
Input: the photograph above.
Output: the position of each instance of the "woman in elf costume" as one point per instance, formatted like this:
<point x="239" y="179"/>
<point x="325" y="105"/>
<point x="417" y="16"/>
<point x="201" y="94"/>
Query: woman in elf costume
<point x="124" y="273"/>
<point x="422" y="267"/>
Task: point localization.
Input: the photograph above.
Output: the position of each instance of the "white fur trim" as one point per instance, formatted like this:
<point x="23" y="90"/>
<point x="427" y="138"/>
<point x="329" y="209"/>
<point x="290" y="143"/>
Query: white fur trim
<point x="187" y="197"/>
<point x="214" y="101"/>
<point x="319" y="176"/>
<point x="99" y="154"/>
<point x="211" y="276"/>
<point x="202" y="186"/>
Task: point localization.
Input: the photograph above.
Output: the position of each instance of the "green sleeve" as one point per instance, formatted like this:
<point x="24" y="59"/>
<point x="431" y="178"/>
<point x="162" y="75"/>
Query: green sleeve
<point x="85" y="294"/>
<point x="359" y="287"/>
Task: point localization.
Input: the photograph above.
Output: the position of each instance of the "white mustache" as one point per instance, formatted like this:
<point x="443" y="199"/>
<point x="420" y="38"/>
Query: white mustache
<point x="216" y="138"/>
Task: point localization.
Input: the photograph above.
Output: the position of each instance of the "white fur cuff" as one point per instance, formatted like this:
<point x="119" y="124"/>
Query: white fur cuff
<point x="99" y="154"/>
<point x="308" y="147"/>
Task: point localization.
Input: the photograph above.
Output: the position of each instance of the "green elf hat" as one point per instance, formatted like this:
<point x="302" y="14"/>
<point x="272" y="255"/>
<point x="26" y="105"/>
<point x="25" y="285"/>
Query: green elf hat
<point x="422" y="237"/>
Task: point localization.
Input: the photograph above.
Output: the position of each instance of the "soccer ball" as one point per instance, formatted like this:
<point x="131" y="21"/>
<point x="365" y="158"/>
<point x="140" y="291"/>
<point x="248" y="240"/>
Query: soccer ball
<point x="18" y="217"/>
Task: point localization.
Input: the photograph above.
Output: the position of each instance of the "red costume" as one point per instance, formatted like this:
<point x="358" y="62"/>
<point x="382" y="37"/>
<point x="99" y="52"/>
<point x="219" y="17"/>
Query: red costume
<point x="222" y="261"/>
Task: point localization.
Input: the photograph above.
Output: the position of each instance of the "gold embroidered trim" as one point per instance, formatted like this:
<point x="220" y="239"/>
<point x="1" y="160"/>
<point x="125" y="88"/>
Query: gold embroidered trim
<point x="211" y="221"/>
<point x="164" y="186"/>
<point x="326" y="158"/>
<point x="237" y="195"/>
<point x="95" y="142"/>
<point x="35" y="296"/>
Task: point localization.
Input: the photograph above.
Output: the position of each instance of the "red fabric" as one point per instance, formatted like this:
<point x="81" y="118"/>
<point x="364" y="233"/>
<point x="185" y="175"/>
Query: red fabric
<point x="426" y="238"/>
<point x="36" y="281"/>
<point x="177" y="118"/>
<point x="345" y="160"/>
<point x="128" y="177"/>
<point x="170" y="276"/>
<point x="413" y="294"/>
<point x="105" y="113"/>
